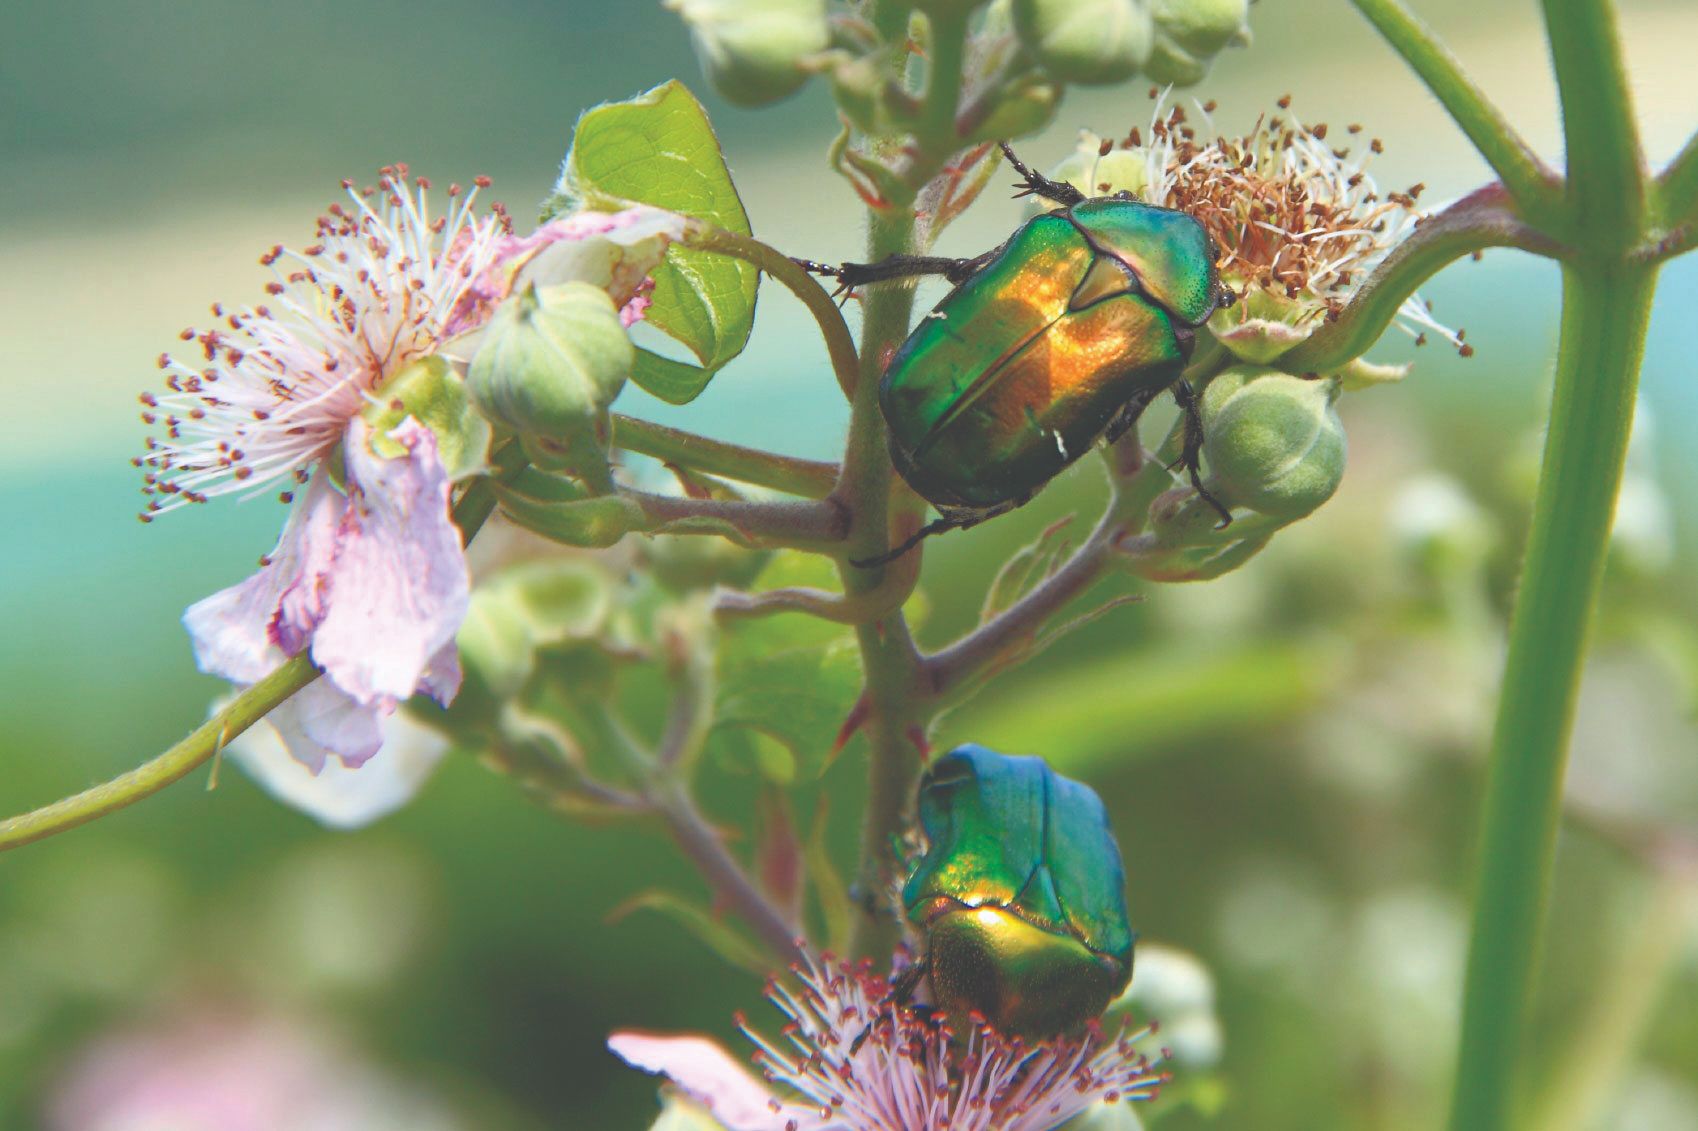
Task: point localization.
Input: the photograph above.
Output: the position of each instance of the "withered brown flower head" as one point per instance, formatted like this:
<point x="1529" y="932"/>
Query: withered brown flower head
<point x="1298" y="218"/>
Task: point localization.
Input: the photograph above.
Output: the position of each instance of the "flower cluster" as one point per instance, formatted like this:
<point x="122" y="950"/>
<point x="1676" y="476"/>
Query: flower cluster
<point x="851" y="1059"/>
<point x="346" y="386"/>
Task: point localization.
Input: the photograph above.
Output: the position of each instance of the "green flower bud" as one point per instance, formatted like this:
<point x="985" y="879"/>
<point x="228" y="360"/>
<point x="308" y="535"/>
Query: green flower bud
<point x="1086" y="41"/>
<point x="1201" y="28"/>
<point x="1190" y="33"/>
<point x="1272" y="441"/>
<point x="858" y="87"/>
<point x="752" y="50"/>
<point x="551" y="362"/>
<point x="685" y="562"/>
<point x="431" y="392"/>
<point x="1021" y="111"/>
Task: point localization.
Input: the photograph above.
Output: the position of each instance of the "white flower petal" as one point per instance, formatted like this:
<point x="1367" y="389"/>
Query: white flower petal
<point x="337" y="796"/>
<point x="321" y="720"/>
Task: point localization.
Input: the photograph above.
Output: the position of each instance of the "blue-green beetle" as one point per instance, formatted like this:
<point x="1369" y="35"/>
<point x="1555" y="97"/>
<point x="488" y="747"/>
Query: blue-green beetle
<point x="1056" y="339"/>
<point x="1017" y="900"/>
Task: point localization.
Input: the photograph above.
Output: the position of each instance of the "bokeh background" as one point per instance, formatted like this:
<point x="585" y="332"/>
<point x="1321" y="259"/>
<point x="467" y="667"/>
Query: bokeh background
<point x="1289" y="753"/>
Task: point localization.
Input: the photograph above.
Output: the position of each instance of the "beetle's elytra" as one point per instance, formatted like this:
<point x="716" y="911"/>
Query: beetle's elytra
<point x="1048" y="343"/>
<point x="1018" y="897"/>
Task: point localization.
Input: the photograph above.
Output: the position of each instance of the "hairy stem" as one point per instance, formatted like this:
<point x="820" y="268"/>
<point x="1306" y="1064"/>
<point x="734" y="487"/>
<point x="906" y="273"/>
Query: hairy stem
<point x="810" y="479"/>
<point x="838" y="341"/>
<point x="729" y="880"/>
<point x="1606" y="170"/>
<point x="888" y="656"/>
<point x="1606" y="307"/>
<point x="810" y="524"/>
<point x="1531" y="183"/>
<point x="149" y="778"/>
<point x="1677" y="186"/>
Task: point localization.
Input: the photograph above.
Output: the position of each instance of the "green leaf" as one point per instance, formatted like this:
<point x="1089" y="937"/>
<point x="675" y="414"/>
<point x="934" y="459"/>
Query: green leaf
<point x="719" y="936"/>
<point x="660" y="149"/>
<point x="675" y="382"/>
<point x="789" y="680"/>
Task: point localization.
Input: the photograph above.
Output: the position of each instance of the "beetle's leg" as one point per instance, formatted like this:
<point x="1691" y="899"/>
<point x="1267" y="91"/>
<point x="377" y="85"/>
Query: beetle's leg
<point x="1191" y="454"/>
<point x="1129" y="414"/>
<point x="901" y="995"/>
<point x="851" y="276"/>
<point x="1036" y="184"/>
<point x="936" y="526"/>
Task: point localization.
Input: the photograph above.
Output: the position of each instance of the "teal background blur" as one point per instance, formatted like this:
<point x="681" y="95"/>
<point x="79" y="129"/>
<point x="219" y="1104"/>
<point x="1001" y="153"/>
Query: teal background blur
<point x="1299" y="830"/>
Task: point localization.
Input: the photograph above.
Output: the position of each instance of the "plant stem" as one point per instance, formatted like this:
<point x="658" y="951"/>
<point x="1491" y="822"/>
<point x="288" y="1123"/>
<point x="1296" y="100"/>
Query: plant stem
<point x="808" y="478"/>
<point x="888" y="657"/>
<point x="242" y="712"/>
<point x="838" y="341"/>
<point x="1529" y="180"/>
<point x="703" y="846"/>
<point x="149" y="778"/>
<point x="1484" y="218"/>
<point x="1606" y="307"/>
<point x="1606" y="170"/>
<point x="1677" y="186"/>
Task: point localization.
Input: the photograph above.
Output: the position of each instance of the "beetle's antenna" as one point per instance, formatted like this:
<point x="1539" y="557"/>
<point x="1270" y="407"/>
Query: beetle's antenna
<point x="1036" y="184"/>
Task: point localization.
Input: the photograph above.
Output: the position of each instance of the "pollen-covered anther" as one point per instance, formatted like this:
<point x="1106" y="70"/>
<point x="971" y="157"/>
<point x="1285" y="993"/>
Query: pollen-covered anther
<point x="384" y="281"/>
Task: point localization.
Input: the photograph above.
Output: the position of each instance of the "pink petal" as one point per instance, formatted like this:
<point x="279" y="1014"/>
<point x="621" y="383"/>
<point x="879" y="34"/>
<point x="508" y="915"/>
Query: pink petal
<point x="400" y="583"/>
<point x="442" y="678"/>
<point x="242" y="633"/>
<point x="336" y="796"/>
<point x="710" y="1076"/>
<point x="615" y="251"/>
<point x="321" y="720"/>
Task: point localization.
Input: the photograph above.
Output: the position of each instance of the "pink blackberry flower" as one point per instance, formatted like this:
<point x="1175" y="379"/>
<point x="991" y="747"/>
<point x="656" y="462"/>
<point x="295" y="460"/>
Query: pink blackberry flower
<point x="370" y="571"/>
<point x="852" y="1060"/>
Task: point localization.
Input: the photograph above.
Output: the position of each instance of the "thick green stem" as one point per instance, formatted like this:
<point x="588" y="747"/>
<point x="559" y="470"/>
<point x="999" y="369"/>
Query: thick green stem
<point x="1530" y="182"/>
<point x="1606" y="170"/>
<point x="805" y="477"/>
<point x="1606" y="307"/>
<point x="888" y="656"/>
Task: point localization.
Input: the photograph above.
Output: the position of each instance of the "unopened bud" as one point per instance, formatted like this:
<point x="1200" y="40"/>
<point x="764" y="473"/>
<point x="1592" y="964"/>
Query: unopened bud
<point x="1190" y="33"/>
<point x="1273" y="442"/>
<point x="752" y="51"/>
<point x="550" y="363"/>
<point x="1086" y="41"/>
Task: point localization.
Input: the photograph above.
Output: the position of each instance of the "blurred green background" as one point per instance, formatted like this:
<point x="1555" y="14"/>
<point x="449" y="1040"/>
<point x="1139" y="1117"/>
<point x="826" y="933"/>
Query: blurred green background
<point x="1288" y="752"/>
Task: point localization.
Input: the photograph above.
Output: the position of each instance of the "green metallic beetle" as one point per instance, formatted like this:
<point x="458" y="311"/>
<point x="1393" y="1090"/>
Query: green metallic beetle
<point x="1059" y="337"/>
<point x="1018" y="899"/>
